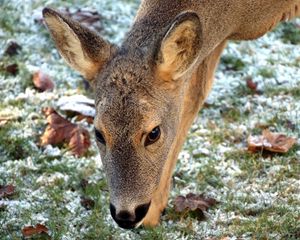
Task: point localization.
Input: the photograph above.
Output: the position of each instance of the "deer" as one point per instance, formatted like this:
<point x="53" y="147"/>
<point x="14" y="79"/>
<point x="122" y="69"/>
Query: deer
<point x="149" y="90"/>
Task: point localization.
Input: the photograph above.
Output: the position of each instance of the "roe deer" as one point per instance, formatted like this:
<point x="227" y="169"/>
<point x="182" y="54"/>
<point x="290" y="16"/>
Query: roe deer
<point x="149" y="90"/>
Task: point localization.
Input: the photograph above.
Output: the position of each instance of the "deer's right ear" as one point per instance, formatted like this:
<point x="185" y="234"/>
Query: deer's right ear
<point x="180" y="46"/>
<point x="82" y="48"/>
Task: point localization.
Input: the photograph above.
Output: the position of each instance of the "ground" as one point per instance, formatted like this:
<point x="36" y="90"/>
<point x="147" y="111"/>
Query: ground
<point x="258" y="194"/>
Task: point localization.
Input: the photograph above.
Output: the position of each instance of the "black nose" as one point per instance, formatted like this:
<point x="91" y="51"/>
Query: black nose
<point x="128" y="220"/>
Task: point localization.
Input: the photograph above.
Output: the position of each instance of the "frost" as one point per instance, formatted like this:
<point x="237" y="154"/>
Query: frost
<point x="52" y="151"/>
<point x="203" y="151"/>
<point x="77" y="103"/>
<point x="51" y="179"/>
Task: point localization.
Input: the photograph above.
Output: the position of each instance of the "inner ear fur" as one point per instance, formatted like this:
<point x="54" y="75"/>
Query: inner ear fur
<point x="83" y="49"/>
<point x="180" y="46"/>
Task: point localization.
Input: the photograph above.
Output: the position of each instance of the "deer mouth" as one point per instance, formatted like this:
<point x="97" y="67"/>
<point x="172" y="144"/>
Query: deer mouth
<point x="126" y="225"/>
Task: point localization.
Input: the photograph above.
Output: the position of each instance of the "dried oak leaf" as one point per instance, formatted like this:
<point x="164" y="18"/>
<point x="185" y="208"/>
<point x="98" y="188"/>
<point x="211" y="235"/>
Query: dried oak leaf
<point x="12" y="48"/>
<point x="6" y="191"/>
<point x="273" y="142"/>
<point x="88" y="119"/>
<point x="60" y="130"/>
<point x="32" y="230"/>
<point x="79" y="141"/>
<point x="192" y="202"/>
<point x="42" y="81"/>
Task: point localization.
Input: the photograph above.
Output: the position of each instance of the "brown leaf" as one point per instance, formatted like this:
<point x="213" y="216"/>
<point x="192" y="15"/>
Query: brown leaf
<point x="11" y="69"/>
<point x="180" y="203"/>
<point x="192" y="202"/>
<point x="12" y="49"/>
<point x="6" y="191"/>
<point x="88" y="119"/>
<point x="251" y="85"/>
<point x="79" y="141"/>
<point x="42" y="81"/>
<point x="60" y="130"/>
<point x="87" y="203"/>
<point x="273" y="142"/>
<point x="32" y="230"/>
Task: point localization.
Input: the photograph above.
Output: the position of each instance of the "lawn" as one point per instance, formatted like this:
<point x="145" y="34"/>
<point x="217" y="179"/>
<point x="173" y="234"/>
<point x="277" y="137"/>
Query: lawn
<point x="258" y="194"/>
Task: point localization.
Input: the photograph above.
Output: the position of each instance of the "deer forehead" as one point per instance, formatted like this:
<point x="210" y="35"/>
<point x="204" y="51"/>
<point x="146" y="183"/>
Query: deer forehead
<point x="128" y="116"/>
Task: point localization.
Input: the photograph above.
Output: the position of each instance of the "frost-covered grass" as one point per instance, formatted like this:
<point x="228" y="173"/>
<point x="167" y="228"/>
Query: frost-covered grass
<point x="258" y="194"/>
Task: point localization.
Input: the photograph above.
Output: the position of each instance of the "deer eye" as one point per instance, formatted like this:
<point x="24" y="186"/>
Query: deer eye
<point x="153" y="136"/>
<point x="99" y="137"/>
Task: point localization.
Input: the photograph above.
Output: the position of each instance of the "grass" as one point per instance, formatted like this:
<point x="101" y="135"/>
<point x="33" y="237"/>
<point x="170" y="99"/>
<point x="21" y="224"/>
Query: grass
<point x="292" y="91"/>
<point x="15" y="147"/>
<point x="257" y="193"/>
<point x="290" y="33"/>
<point x="232" y="63"/>
<point x="266" y="73"/>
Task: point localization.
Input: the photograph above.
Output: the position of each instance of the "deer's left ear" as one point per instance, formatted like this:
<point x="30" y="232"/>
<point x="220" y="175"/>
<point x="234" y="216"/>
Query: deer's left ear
<point x="83" y="49"/>
<point x="180" y="46"/>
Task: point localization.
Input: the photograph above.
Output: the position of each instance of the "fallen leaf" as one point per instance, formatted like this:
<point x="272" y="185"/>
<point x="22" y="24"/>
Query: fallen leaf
<point x="251" y="84"/>
<point x="7" y="190"/>
<point x="32" y="230"/>
<point x="61" y="130"/>
<point x="89" y="120"/>
<point x="42" y="81"/>
<point x="192" y="202"/>
<point x="12" y="69"/>
<point x="12" y="49"/>
<point x="273" y="142"/>
<point x="58" y="129"/>
<point x="79" y="141"/>
<point x="87" y="203"/>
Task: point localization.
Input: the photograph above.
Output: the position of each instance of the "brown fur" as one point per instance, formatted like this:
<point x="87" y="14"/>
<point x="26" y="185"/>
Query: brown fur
<point x="160" y="75"/>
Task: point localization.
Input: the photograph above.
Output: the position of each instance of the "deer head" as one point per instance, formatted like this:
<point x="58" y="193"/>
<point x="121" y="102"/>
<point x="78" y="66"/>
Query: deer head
<point x="139" y="93"/>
